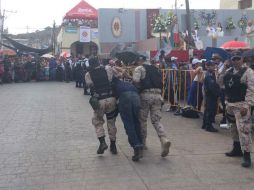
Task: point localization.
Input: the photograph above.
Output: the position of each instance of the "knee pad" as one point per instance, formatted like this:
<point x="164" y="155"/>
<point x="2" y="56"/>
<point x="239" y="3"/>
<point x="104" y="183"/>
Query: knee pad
<point x="112" y="115"/>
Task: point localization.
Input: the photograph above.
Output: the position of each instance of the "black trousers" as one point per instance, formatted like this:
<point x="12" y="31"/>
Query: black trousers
<point x="210" y="111"/>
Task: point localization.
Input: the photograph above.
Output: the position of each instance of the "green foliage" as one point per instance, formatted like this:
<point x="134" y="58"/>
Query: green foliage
<point x="163" y="22"/>
<point x="230" y="24"/>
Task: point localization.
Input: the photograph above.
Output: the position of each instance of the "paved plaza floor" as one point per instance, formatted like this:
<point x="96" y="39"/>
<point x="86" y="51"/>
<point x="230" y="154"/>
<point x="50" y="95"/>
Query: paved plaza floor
<point x="47" y="142"/>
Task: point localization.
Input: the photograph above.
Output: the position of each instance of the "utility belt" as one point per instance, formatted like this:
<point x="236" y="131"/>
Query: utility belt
<point x="152" y="90"/>
<point x="94" y="100"/>
<point x="103" y="95"/>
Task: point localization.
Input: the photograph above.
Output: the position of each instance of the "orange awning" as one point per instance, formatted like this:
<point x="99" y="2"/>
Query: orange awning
<point x="7" y="52"/>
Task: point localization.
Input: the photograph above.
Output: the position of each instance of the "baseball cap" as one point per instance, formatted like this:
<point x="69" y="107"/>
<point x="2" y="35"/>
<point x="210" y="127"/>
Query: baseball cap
<point x="195" y="61"/>
<point x="141" y="57"/>
<point x="236" y="55"/>
<point x="210" y="62"/>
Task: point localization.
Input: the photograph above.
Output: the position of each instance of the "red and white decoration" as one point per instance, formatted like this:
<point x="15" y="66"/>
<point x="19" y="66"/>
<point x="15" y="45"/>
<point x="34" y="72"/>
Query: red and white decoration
<point x="82" y="11"/>
<point x="85" y="34"/>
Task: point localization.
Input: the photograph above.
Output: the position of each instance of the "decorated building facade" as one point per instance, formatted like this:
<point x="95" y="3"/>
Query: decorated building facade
<point x="89" y="31"/>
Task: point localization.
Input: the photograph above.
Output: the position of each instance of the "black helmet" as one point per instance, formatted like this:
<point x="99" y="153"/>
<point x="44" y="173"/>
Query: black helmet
<point x="141" y="58"/>
<point x="94" y="62"/>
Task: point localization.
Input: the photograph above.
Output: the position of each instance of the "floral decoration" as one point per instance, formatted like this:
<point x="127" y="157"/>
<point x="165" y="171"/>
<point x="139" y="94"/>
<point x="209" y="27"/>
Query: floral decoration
<point x="163" y="22"/>
<point x="159" y="24"/>
<point x="242" y="23"/>
<point x="196" y="24"/>
<point x="230" y="24"/>
<point x="208" y="18"/>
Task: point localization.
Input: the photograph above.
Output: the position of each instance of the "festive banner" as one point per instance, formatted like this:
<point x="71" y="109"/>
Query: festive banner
<point x="85" y="34"/>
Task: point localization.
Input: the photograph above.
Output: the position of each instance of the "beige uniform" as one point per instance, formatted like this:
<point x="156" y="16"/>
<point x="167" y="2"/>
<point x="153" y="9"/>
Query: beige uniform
<point x="151" y="101"/>
<point x="107" y="107"/>
<point x="241" y="129"/>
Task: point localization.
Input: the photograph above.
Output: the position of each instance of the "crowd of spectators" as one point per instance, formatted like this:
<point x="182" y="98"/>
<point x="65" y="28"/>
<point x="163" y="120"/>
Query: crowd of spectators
<point x="26" y="68"/>
<point x="80" y="22"/>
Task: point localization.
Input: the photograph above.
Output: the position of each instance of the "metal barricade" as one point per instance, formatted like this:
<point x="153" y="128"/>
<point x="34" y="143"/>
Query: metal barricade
<point x="177" y="86"/>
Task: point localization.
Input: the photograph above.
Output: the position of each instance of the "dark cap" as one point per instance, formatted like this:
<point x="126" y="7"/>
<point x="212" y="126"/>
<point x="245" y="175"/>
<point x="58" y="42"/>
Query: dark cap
<point x="210" y="62"/>
<point x="236" y="54"/>
<point x="141" y="58"/>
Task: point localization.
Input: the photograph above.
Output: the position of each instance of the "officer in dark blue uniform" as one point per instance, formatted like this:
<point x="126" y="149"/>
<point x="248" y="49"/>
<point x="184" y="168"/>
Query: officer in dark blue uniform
<point x="212" y="91"/>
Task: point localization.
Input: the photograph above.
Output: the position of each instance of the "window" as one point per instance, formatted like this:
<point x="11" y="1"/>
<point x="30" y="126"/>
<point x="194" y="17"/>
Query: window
<point x="244" y="4"/>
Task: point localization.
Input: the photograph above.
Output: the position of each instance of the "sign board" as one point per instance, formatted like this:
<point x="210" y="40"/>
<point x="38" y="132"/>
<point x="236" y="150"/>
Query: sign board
<point x="70" y="29"/>
<point x="85" y="34"/>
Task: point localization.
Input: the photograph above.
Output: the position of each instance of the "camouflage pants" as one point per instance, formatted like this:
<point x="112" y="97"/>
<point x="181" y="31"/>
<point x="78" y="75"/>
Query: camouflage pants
<point x="151" y="102"/>
<point x="108" y="108"/>
<point x="241" y="129"/>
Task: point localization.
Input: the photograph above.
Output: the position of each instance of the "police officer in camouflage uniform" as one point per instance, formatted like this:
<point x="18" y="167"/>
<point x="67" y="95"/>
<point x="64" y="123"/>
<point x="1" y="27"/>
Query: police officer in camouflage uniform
<point x="239" y="90"/>
<point x="99" y="79"/>
<point x="148" y="79"/>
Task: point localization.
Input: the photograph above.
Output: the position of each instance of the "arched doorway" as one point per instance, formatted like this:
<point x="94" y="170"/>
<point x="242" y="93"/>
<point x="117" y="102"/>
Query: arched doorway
<point x="84" y="48"/>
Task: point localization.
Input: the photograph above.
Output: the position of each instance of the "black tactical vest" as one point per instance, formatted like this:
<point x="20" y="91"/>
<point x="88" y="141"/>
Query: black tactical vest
<point x="153" y="78"/>
<point x="101" y="85"/>
<point x="235" y="91"/>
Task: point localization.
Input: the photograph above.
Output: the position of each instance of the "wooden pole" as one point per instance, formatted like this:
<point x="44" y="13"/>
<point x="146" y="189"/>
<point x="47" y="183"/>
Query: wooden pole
<point x="188" y="23"/>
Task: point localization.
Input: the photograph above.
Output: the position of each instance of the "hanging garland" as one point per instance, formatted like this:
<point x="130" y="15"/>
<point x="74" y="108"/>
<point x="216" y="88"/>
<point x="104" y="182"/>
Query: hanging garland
<point x="208" y="18"/>
<point x="230" y="24"/>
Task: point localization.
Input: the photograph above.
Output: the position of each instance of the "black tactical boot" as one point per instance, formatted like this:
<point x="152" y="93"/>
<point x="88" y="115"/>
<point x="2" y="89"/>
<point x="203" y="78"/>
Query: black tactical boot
<point x="136" y="156"/>
<point x="113" y="149"/>
<point x="103" y="146"/>
<point x="246" y="160"/>
<point x="236" y="151"/>
<point x="210" y="128"/>
<point x="141" y="152"/>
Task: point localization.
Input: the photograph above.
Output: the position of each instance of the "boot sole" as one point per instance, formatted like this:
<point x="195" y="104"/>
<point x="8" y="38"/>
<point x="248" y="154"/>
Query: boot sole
<point x="113" y="152"/>
<point x="103" y="150"/>
<point x="166" y="147"/>
<point x="135" y="159"/>
<point x="246" y="165"/>
<point x="233" y="155"/>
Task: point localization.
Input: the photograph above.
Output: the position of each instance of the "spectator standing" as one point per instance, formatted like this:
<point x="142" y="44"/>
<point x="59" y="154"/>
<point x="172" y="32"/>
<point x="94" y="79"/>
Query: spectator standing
<point x="212" y="92"/>
<point x="52" y="69"/>
<point x="195" y="96"/>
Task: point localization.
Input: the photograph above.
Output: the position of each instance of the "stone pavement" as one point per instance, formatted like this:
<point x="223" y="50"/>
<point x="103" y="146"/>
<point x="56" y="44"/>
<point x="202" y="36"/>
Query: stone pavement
<point x="47" y="142"/>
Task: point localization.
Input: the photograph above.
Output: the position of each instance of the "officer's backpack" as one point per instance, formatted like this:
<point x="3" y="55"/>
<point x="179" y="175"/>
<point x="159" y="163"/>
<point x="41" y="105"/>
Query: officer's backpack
<point x="189" y="112"/>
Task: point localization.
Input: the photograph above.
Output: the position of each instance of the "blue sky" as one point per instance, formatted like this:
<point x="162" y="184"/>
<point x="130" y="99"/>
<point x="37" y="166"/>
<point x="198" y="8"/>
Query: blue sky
<point x="31" y="15"/>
